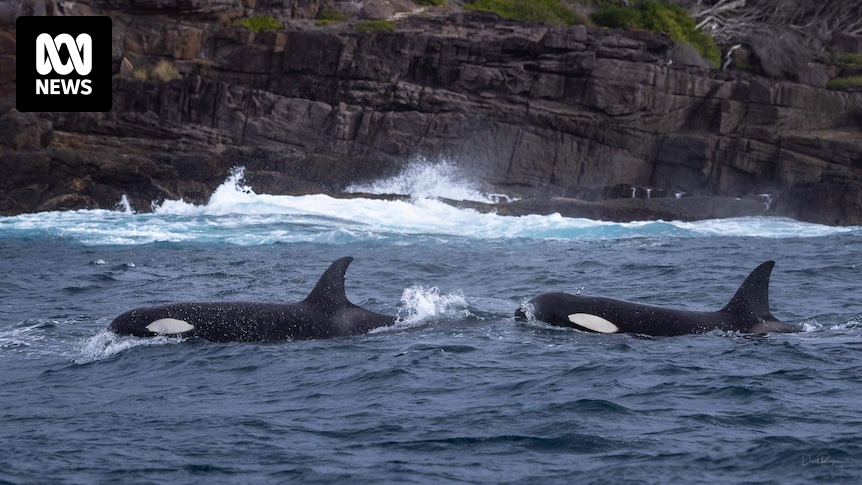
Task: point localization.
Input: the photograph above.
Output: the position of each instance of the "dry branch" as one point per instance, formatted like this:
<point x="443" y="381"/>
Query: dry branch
<point x="815" y="20"/>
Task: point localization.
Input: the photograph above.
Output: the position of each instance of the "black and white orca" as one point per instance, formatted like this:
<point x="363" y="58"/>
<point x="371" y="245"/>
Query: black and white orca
<point x="747" y="312"/>
<point x="325" y="313"/>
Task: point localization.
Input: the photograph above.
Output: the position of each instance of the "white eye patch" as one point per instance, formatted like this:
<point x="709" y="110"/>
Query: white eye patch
<point x="593" y="322"/>
<point x="170" y="326"/>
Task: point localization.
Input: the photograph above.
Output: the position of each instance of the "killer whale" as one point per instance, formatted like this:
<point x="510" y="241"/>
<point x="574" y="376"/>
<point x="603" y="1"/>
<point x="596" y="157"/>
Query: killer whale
<point x="747" y="312"/>
<point x="325" y="313"/>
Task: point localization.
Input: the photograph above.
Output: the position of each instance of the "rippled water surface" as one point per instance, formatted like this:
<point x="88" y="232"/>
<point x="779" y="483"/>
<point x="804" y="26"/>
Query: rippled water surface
<point x="457" y="391"/>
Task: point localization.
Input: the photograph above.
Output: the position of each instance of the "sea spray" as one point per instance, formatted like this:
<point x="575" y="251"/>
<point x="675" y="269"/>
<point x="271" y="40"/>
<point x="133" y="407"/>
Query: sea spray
<point x="106" y="344"/>
<point x="124" y="206"/>
<point x="420" y="305"/>
<point x="235" y="214"/>
<point x="424" y="179"/>
<point x="24" y="334"/>
<point x="228" y="198"/>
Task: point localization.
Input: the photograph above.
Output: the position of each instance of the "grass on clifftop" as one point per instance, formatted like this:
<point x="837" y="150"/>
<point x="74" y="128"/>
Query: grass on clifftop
<point x="548" y="11"/>
<point x="659" y="17"/>
<point x="256" y="24"/>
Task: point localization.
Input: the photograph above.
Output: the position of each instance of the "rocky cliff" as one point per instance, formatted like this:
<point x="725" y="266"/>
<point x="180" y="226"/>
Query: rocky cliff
<point x="536" y="111"/>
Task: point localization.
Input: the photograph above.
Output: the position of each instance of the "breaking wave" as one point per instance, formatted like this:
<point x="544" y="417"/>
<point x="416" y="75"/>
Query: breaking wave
<point x="235" y="214"/>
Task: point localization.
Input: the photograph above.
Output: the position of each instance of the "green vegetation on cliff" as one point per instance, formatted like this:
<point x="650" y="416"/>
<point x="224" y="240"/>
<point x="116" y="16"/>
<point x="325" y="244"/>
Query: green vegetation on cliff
<point x="376" y="26"/>
<point x="164" y="71"/>
<point x="659" y="17"/>
<point x="549" y="11"/>
<point x="259" y="23"/>
<point x="851" y="82"/>
<point x="327" y="17"/>
<point x="850" y="59"/>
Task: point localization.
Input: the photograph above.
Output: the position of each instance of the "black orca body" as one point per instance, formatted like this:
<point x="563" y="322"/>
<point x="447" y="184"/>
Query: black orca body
<point x="747" y="312"/>
<point x="325" y="313"/>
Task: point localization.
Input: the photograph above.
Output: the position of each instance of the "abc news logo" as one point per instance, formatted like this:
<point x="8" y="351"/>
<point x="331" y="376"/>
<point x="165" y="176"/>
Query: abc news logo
<point x="80" y="58"/>
<point x="64" y="64"/>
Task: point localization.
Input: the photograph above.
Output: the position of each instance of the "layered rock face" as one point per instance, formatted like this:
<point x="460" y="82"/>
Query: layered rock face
<point x="531" y="111"/>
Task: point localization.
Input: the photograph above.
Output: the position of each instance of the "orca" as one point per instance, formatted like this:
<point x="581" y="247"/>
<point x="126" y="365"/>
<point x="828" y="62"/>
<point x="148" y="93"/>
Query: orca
<point x="325" y="313"/>
<point x="747" y="312"/>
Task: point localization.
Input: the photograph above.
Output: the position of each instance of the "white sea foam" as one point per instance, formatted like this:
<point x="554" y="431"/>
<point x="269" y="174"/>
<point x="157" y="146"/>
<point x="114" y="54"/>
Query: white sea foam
<point x="420" y="305"/>
<point x="235" y="214"/>
<point x="25" y="334"/>
<point x="106" y="344"/>
<point x="771" y="227"/>
<point x="424" y="179"/>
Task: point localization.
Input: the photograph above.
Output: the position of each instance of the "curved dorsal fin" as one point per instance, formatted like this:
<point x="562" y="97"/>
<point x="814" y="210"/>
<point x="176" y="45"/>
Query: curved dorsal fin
<point x="329" y="290"/>
<point x="752" y="298"/>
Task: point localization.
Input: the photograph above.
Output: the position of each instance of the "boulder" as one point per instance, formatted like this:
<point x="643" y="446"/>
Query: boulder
<point x="24" y="131"/>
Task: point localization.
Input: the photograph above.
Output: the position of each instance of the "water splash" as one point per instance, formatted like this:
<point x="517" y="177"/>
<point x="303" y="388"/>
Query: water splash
<point x="231" y="197"/>
<point x="25" y="334"/>
<point x="235" y="214"/>
<point x="421" y="305"/>
<point x="106" y="344"/>
<point x="124" y="206"/>
<point x="810" y="325"/>
<point x="853" y="323"/>
<point x="529" y="311"/>
<point x="425" y="179"/>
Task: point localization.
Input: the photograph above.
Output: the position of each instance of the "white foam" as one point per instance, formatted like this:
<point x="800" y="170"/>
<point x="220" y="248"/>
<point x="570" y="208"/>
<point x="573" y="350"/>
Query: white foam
<point x="25" y="334"/>
<point x="854" y="323"/>
<point x="770" y="227"/>
<point x="231" y="197"/>
<point x="420" y="305"/>
<point x="811" y="325"/>
<point x="529" y="311"/>
<point x="423" y="179"/>
<point x="235" y="214"/>
<point x="106" y="344"/>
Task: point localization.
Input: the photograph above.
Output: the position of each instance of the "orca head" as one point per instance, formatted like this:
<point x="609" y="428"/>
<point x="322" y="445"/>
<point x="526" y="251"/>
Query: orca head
<point x="524" y="312"/>
<point x="541" y="308"/>
<point x="544" y="307"/>
<point x="565" y="310"/>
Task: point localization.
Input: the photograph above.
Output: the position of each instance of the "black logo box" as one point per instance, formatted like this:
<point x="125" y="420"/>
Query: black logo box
<point x="100" y="97"/>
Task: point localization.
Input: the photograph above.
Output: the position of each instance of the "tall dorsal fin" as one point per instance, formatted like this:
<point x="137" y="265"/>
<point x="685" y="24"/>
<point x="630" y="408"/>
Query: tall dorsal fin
<point x="329" y="290"/>
<point x="752" y="298"/>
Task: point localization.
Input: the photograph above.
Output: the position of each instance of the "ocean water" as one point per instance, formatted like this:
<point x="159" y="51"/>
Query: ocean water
<point x="457" y="391"/>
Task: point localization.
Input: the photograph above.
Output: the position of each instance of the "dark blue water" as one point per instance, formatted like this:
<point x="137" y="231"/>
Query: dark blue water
<point x="456" y="392"/>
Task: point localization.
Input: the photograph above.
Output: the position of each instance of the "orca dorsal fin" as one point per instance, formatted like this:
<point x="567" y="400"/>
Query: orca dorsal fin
<point x="752" y="298"/>
<point x="329" y="290"/>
